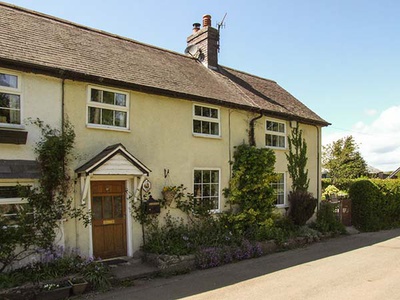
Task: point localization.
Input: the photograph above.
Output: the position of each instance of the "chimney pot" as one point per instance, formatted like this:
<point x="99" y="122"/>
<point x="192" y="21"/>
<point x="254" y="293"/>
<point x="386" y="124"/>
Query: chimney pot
<point x="196" y="27"/>
<point x="206" y="20"/>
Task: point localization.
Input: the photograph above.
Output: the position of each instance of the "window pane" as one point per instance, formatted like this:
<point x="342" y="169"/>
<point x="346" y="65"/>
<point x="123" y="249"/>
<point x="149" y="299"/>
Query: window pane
<point x="107" y="208"/>
<point x="215" y="128"/>
<point x="120" y="118"/>
<point x="107" y="117"/>
<point x="8" y="192"/>
<point x="10" y="213"/>
<point x="96" y="209"/>
<point x="118" y="213"/>
<point x="197" y="110"/>
<point x="206" y="176"/>
<point x="214" y="176"/>
<point x="205" y="127"/>
<point x="10" y="116"/>
<point x="9" y="101"/>
<point x="8" y="80"/>
<point x="95" y="95"/>
<point x="196" y="126"/>
<point x="94" y="115"/>
<point x="214" y="190"/>
<point x="214" y="113"/>
<point x="206" y="190"/>
<point x="108" y="97"/>
<point x="281" y="127"/>
<point x="120" y="99"/>
<point x="281" y="142"/>
<point x="197" y="176"/>
<point x="206" y="112"/>
<point x="197" y="190"/>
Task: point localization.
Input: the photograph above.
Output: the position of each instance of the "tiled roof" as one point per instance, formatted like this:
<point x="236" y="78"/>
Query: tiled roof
<point x="42" y="43"/>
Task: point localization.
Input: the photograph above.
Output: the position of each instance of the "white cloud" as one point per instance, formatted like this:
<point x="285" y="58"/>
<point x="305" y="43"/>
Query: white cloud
<point x="379" y="141"/>
<point x="370" y="112"/>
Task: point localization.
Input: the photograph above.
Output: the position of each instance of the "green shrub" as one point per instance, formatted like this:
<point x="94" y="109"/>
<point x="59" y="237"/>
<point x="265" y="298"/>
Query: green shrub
<point x="327" y="220"/>
<point x="302" y="206"/>
<point x="57" y="264"/>
<point x="367" y="206"/>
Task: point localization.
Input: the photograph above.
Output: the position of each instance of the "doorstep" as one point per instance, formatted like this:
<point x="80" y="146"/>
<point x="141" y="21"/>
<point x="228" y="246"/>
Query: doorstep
<point x="132" y="268"/>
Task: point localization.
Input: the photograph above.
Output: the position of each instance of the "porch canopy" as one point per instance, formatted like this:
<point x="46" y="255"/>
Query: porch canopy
<point x="113" y="160"/>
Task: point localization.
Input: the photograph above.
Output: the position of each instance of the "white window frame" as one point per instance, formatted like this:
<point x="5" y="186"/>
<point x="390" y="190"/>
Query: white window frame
<point x="16" y="200"/>
<point x="13" y="91"/>
<point x="275" y="186"/>
<point x="207" y="119"/>
<point x="112" y="107"/>
<point x="218" y="209"/>
<point x="276" y="133"/>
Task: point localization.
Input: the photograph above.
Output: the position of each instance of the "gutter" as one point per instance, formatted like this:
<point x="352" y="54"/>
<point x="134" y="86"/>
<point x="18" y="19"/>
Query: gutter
<point x="73" y="75"/>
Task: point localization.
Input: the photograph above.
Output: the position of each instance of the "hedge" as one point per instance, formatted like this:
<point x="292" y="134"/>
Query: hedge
<point x="375" y="204"/>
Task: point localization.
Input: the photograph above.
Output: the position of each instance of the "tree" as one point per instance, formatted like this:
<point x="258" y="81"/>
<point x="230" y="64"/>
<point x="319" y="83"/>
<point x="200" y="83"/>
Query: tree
<point x="297" y="161"/>
<point x="343" y="160"/>
<point x="302" y="203"/>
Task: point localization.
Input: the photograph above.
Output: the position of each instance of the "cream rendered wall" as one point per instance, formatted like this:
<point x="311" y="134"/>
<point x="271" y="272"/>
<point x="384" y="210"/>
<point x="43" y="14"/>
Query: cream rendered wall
<point x="160" y="136"/>
<point x="41" y="98"/>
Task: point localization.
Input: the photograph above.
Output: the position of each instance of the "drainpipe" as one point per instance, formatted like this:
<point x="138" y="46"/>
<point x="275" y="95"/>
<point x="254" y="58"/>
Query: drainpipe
<point x="62" y="104"/>
<point x="252" y="139"/>
<point x="318" y="165"/>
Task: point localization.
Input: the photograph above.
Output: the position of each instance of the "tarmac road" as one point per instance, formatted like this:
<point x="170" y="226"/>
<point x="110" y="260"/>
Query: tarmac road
<point x="361" y="266"/>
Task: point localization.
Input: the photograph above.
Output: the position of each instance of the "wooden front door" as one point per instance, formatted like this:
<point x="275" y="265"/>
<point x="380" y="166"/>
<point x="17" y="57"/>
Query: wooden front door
<point x="109" y="218"/>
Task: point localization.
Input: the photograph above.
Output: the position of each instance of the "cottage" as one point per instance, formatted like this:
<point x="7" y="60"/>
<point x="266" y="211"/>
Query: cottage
<point x="140" y="114"/>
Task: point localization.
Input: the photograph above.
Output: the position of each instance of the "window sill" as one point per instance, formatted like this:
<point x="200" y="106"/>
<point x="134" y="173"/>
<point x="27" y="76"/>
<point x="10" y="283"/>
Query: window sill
<point x="111" y="128"/>
<point x="282" y="206"/>
<point x="207" y="136"/>
<point x="276" y="148"/>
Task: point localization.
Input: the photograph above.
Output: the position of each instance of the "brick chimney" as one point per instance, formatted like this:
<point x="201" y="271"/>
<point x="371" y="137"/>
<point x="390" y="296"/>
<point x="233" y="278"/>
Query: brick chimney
<point x="207" y="39"/>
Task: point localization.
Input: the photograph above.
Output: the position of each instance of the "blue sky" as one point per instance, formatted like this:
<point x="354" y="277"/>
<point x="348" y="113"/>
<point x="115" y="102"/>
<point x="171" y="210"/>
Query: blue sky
<point x="339" y="57"/>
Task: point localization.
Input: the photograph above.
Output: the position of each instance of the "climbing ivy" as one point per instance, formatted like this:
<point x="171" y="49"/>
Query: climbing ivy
<point x="48" y="201"/>
<point x="250" y="189"/>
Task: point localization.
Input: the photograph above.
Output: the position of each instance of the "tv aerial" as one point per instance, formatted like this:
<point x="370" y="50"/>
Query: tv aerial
<point x="221" y="24"/>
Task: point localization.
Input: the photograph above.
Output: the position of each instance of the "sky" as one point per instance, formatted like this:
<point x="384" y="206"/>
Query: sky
<point x="338" y="57"/>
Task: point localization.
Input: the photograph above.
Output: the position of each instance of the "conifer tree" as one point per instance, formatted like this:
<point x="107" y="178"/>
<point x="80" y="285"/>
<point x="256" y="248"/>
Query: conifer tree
<point x="297" y="161"/>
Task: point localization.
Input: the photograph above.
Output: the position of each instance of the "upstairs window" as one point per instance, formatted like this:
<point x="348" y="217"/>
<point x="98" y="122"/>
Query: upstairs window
<point x="10" y="100"/>
<point x="206" y="188"/>
<point x="275" y="134"/>
<point x="206" y="121"/>
<point x="108" y="109"/>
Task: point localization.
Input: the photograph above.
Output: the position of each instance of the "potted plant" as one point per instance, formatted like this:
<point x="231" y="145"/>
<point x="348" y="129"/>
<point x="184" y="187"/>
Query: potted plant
<point x="54" y="291"/>
<point x="78" y="284"/>
<point x="169" y="193"/>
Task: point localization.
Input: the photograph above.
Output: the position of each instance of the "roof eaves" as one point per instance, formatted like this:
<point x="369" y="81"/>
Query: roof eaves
<point x="73" y="75"/>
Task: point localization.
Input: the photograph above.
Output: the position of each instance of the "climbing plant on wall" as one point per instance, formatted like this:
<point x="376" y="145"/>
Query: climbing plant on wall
<point x="47" y="203"/>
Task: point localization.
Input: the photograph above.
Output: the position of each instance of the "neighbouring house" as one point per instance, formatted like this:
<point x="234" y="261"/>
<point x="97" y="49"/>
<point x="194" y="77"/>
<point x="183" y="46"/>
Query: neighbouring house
<point x="139" y="113"/>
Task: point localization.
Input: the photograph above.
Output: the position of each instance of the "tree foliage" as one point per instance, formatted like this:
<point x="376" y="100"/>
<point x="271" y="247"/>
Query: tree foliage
<point x="297" y="161"/>
<point x="343" y="160"/>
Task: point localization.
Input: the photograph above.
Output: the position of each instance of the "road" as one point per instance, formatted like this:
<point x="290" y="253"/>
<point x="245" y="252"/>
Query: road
<point x="361" y="266"/>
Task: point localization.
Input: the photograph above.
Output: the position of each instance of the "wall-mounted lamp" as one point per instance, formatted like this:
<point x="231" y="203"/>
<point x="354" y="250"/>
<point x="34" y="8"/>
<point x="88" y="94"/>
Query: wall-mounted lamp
<point x="294" y="124"/>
